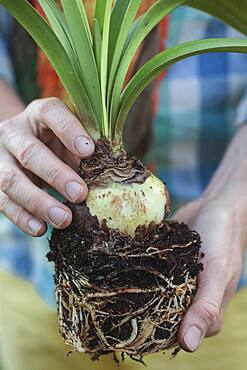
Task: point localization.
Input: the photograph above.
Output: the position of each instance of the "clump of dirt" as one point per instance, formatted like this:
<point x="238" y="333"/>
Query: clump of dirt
<point x="118" y="293"/>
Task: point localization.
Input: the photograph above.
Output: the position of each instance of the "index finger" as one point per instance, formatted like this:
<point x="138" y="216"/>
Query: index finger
<point x="56" y="116"/>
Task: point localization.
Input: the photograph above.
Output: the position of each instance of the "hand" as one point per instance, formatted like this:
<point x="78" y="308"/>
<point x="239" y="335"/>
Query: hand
<point x="219" y="216"/>
<point x="43" y="145"/>
<point x="222" y="231"/>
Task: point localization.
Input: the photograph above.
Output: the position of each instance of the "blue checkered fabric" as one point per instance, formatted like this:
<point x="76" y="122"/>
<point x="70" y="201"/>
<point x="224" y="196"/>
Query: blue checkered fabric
<point x="202" y="101"/>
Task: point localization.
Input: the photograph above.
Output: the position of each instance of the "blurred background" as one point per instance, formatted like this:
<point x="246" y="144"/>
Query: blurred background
<point x="162" y="130"/>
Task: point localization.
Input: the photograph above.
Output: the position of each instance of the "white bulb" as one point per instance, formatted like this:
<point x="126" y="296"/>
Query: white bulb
<point x="126" y="206"/>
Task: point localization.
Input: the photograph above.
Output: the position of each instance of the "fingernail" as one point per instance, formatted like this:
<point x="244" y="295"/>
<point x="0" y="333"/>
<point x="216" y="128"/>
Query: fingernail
<point x="57" y="215"/>
<point x="84" y="146"/>
<point x="193" y="338"/>
<point x="74" y="190"/>
<point x="34" y="226"/>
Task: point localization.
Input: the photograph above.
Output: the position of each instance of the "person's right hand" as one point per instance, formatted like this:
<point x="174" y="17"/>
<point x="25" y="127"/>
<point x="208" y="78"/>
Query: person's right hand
<point x="41" y="146"/>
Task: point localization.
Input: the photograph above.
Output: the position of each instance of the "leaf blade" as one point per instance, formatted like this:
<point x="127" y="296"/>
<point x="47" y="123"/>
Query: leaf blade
<point x="84" y="18"/>
<point x="99" y="14"/>
<point x="232" y="12"/>
<point x="55" y="19"/>
<point x="84" y="50"/>
<point x="103" y="16"/>
<point x="148" y="21"/>
<point x="37" y="27"/>
<point x="165" y="59"/>
<point x="120" y="27"/>
<point x="97" y="42"/>
<point x="118" y="12"/>
<point x="59" y="26"/>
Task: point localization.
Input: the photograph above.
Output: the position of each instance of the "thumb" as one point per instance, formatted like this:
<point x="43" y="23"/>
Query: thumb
<point x="205" y="310"/>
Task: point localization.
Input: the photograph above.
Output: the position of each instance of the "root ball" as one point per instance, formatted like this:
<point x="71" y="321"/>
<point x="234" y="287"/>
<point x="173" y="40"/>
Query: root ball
<point x="118" y="293"/>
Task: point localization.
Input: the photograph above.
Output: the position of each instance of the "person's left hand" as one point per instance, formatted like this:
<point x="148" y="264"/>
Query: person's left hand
<point x="224" y="236"/>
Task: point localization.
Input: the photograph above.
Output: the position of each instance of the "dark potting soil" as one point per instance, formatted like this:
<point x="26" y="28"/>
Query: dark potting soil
<point x="158" y="262"/>
<point x="111" y="259"/>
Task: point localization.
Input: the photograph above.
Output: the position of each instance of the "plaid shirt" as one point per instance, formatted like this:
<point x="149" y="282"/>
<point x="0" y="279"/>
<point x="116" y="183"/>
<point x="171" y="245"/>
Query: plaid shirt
<point x="201" y="103"/>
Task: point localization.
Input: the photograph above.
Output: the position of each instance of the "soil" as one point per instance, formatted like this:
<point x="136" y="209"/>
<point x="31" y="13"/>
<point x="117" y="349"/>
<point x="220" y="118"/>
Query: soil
<point x="112" y="279"/>
<point x="111" y="259"/>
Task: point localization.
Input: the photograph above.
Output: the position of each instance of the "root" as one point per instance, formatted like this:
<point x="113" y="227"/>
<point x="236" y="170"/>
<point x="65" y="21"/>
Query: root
<point x="121" y="294"/>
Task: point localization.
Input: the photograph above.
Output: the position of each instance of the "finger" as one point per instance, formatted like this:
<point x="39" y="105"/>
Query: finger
<point x="56" y="116"/>
<point x="206" y="307"/>
<point x="72" y="160"/>
<point x="217" y="326"/>
<point x="35" y="180"/>
<point x="229" y="293"/>
<point x="22" y="191"/>
<point x="20" y="217"/>
<point x="34" y="156"/>
<point x="8" y="160"/>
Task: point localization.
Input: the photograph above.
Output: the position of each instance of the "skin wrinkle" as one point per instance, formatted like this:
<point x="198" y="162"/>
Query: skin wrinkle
<point x="24" y="126"/>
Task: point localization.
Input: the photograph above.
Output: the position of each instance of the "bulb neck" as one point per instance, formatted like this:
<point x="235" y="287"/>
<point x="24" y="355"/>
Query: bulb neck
<point x="111" y="164"/>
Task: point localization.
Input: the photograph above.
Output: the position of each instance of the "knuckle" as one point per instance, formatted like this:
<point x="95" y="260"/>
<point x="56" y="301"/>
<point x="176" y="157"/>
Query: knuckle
<point x="33" y="107"/>
<point x="65" y="126"/>
<point x="216" y="328"/>
<point x="26" y="152"/>
<point x="3" y="202"/>
<point x="8" y="179"/>
<point x="53" y="175"/>
<point x="45" y="105"/>
<point x="33" y="203"/>
<point x="19" y="217"/>
<point x="6" y="127"/>
<point x="210" y="312"/>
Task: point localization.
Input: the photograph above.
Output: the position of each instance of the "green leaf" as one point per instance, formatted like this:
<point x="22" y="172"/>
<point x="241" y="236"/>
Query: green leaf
<point x="84" y="50"/>
<point x="104" y="20"/>
<point x="99" y="14"/>
<point x="97" y="43"/>
<point x="132" y="32"/>
<point x="147" y="22"/>
<point x="84" y="18"/>
<point x="57" y="22"/>
<point x="165" y="59"/>
<point x="121" y="21"/>
<point x="232" y="12"/>
<point x="118" y="13"/>
<point x="37" y="27"/>
<point x="59" y="26"/>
